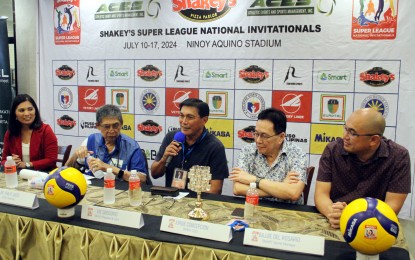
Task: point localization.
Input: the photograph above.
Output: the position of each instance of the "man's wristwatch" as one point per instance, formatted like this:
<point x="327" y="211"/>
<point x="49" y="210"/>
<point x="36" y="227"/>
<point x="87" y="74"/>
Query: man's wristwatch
<point x="120" y="174"/>
<point x="28" y="165"/>
<point x="257" y="180"/>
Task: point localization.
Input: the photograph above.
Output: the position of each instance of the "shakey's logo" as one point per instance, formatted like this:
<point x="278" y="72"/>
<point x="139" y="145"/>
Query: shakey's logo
<point x="203" y="11"/>
<point x="377" y="77"/>
<point x="149" y="73"/>
<point x="253" y="74"/>
<point x="149" y="128"/>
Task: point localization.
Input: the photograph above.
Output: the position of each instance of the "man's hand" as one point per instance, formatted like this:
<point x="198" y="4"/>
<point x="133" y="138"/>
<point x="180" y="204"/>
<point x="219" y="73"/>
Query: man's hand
<point x="172" y="149"/>
<point x="82" y="152"/>
<point x="334" y="216"/>
<point x="96" y="164"/>
<point x="239" y="175"/>
<point x="292" y="177"/>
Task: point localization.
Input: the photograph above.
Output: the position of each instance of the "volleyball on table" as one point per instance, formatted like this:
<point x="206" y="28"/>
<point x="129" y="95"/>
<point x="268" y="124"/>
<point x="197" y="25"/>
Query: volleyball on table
<point x="65" y="187"/>
<point x="369" y="225"/>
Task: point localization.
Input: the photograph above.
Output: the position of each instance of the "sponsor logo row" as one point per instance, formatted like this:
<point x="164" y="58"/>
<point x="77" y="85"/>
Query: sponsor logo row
<point x="312" y="138"/>
<point x="299" y="106"/>
<point x="294" y="75"/>
<point x="367" y="23"/>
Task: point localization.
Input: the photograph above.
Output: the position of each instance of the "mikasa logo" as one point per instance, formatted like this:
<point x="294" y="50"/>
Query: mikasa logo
<point x="350" y="230"/>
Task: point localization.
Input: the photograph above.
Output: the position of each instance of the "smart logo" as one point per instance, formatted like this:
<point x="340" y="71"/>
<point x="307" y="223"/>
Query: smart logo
<point x="216" y="75"/>
<point x="333" y="77"/>
<point x="118" y="74"/>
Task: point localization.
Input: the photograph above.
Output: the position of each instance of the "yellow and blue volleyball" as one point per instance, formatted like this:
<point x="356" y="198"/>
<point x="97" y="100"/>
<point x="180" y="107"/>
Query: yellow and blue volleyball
<point x="65" y="187"/>
<point x="369" y="225"/>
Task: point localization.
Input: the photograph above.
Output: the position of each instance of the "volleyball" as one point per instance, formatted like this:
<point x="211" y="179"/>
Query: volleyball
<point x="65" y="187"/>
<point x="369" y="225"/>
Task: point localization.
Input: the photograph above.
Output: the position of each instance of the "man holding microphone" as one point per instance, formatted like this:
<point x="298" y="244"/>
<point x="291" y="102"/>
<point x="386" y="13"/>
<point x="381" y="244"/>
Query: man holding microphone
<point x="191" y="145"/>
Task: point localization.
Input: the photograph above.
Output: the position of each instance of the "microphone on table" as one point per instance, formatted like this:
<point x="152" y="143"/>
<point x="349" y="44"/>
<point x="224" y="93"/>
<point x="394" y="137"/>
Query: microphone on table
<point x="179" y="137"/>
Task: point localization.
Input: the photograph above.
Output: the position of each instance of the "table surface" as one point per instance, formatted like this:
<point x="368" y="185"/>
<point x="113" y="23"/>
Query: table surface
<point x="271" y="216"/>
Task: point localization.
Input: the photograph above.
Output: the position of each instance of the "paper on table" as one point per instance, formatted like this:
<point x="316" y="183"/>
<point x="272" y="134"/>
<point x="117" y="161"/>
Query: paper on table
<point x="88" y="177"/>
<point x="180" y="196"/>
<point x="28" y="174"/>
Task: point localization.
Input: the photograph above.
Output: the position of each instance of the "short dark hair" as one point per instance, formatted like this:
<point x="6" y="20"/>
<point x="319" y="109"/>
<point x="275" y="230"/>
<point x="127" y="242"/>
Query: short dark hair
<point x="108" y="111"/>
<point x="202" y="107"/>
<point x="277" y="117"/>
<point x="15" y="126"/>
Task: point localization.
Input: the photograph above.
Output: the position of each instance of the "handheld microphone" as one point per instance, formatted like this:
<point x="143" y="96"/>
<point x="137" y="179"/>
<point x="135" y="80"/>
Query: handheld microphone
<point x="180" y="138"/>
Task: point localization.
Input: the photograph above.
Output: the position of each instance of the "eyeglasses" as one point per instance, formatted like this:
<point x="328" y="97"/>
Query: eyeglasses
<point x="263" y="135"/>
<point x="187" y="117"/>
<point x="114" y="126"/>
<point x="353" y="133"/>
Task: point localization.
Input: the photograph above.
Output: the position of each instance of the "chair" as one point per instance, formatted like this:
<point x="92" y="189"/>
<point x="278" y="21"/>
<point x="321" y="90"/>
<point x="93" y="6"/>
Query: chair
<point x="64" y="151"/>
<point x="148" y="179"/>
<point x="310" y="173"/>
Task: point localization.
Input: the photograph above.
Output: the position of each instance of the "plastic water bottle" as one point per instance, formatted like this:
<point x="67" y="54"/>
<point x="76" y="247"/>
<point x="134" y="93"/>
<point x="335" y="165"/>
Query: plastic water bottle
<point x="134" y="192"/>
<point x="109" y="187"/>
<point x="11" y="173"/>
<point x="99" y="174"/>
<point x="251" y="202"/>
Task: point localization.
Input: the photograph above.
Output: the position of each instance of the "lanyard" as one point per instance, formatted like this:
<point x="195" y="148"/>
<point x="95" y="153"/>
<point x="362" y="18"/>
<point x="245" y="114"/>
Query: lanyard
<point x="110" y="158"/>
<point x="193" y="146"/>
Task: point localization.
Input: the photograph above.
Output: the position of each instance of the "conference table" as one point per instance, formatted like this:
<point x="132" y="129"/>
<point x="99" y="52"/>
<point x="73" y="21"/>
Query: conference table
<point x="41" y="234"/>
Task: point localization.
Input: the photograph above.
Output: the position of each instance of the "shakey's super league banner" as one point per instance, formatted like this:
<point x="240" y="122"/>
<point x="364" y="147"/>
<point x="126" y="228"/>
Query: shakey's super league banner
<point x="5" y="81"/>
<point x="317" y="60"/>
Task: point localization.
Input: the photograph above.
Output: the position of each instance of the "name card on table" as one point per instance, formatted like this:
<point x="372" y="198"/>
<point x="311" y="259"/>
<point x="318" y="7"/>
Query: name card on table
<point x="19" y="198"/>
<point x="284" y="241"/>
<point x="113" y="216"/>
<point x="196" y="228"/>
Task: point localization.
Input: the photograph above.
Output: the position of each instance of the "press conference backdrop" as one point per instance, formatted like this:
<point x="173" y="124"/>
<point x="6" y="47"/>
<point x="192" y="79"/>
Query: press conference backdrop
<point x="317" y="60"/>
<point x="5" y="80"/>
